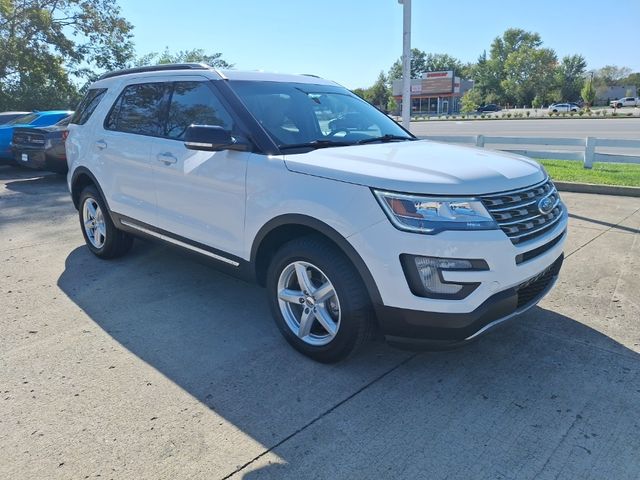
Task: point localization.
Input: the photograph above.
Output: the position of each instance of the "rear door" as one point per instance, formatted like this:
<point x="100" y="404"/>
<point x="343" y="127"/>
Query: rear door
<point x="200" y="195"/>
<point x="123" y="145"/>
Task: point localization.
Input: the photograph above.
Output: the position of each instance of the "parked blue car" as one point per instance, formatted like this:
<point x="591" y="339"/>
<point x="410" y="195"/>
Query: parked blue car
<point x="36" y="119"/>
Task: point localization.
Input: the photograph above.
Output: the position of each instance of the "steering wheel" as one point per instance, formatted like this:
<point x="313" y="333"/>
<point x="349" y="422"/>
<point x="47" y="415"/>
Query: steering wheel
<point x="338" y="130"/>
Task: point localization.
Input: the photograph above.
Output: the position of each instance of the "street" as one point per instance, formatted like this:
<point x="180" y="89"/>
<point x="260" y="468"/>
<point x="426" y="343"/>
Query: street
<point x="569" y="128"/>
<point x="627" y="128"/>
<point x="155" y="366"/>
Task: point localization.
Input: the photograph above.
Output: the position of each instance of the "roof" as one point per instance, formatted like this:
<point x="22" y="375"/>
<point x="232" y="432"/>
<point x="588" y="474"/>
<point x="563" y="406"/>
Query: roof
<point x="200" y="68"/>
<point x="260" y="76"/>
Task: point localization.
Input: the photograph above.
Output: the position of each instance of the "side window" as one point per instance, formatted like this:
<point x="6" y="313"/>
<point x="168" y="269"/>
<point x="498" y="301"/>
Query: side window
<point x="138" y="110"/>
<point x="88" y="104"/>
<point x="194" y="103"/>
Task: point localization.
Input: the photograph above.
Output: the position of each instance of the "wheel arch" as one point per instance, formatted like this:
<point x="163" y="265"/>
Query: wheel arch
<point x="281" y="229"/>
<point x="81" y="178"/>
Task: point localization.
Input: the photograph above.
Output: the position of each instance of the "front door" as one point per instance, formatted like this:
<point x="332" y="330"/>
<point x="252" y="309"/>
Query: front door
<point x="200" y="195"/>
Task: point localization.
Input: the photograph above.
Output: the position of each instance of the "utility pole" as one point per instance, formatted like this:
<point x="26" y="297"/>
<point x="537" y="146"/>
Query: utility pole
<point x="406" y="62"/>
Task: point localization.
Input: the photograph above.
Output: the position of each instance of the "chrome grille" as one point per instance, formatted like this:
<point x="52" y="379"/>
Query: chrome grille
<point x="518" y="214"/>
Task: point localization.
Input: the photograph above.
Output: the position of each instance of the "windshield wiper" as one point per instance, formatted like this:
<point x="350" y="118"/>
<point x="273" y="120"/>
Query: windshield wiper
<point x="384" y="138"/>
<point x="315" y="144"/>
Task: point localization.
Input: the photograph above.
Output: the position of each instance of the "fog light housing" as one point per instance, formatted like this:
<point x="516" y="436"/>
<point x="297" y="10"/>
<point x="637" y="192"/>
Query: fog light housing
<point x="424" y="276"/>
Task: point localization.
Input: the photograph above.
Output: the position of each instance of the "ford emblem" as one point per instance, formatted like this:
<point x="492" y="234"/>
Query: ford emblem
<point x="545" y="205"/>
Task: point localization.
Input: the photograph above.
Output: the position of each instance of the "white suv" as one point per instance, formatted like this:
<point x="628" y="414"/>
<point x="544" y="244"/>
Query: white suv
<point x="625" y="102"/>
<point x="350" y="222"/>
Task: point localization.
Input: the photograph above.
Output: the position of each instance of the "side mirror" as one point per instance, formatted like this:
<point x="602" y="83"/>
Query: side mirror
<point x="211" y="138"/>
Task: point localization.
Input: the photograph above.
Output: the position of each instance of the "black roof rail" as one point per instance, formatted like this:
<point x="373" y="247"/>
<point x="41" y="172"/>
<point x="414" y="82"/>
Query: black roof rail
<point x="156" y="68"/>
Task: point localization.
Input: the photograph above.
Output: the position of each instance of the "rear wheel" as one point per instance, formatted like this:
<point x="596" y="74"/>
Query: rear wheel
<point x="318" y="300"/>
<point x="100" y="234"/>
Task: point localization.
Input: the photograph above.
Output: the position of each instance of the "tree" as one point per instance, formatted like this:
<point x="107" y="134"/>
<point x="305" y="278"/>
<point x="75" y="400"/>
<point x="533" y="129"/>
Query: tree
<point x="196" y="55"/>
<point x="422" y="62"/>
<point x="570" y="77"/>
<point x="379" y="93"/>
<point x="471" y="100"/>
<point x="529" y="72"/>
<point x="47" y="43"/>
<point x="489" y="73"/>
<point x="512" y="40"/>
<point x="588" y="93"/>
<point x="486" y="78"/>
<point x="418" y="59"/>
<point x="632" y="79"/>
<point x="612" y="75"/>
<point x="361" y="92"/>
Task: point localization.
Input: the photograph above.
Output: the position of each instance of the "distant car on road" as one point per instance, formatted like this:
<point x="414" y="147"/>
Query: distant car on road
<point x="491" y="107"/>
<point x="564" y="107"/>
<point x="625" y="102"/>
<point x="6" y="117"/>
<point x="41" y="148"/>
<point x="36" y="119"/>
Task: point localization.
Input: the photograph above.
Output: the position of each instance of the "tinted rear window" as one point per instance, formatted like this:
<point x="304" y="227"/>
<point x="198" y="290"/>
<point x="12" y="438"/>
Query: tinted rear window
<point x="88" y="104"/>
<point x="25" y="120"/>
<point x="137" y="110"/>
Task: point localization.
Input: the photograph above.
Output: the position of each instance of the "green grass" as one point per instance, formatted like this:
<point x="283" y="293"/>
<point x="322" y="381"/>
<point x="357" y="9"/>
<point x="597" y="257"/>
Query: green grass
<point x="601" y="173"/>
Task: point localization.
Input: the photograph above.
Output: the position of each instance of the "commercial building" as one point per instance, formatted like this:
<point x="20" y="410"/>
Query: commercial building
<point x="435" y="93"/>
<point x="605" y="94"/>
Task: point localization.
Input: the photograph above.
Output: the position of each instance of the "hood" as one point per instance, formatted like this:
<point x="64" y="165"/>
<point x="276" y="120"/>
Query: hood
<point x="420" y="167"/>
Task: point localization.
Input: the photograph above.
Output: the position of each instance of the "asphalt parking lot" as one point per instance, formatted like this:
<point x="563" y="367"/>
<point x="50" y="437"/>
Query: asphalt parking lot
<point x="155" y="366"/>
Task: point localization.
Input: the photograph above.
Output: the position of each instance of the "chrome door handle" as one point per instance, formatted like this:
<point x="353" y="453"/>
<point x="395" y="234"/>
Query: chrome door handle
<point x="101" y="144"/>
<point x="167" y="158"/>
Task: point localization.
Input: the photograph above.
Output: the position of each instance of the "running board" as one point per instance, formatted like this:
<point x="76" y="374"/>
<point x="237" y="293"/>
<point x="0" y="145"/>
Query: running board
<point x="179" y="243"/>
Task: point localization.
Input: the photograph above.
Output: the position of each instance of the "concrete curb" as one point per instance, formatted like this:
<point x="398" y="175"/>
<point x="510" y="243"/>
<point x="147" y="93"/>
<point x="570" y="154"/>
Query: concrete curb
<point x="597" y="189"/>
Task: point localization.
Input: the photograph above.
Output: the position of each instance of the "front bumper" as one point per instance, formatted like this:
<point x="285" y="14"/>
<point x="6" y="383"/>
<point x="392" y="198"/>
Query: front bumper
<point x="409" y="328"/>
<point x="408" y="318"/>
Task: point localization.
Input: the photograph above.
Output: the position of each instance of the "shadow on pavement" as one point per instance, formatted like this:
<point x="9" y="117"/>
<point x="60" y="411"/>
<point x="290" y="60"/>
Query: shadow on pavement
<point x="36" y="183"/>
<point x="524" y="400"/>
<point x="33" y="197"/>
<point x="613" y="226"/>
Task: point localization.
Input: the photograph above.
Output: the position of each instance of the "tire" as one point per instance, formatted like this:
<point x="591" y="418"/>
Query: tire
<point x="100" y="234"/>
<point x="346" y="301"/>
<point x="555" y="111"/>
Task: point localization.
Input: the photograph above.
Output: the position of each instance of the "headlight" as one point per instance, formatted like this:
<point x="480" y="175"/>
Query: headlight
<point x="415" y="213"/>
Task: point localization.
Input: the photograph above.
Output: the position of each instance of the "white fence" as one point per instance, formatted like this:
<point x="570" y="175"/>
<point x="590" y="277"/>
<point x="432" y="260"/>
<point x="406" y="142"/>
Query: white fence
<point x="585" y="151"/>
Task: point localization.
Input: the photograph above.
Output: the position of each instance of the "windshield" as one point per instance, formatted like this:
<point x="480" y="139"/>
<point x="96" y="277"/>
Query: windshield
<point x="64" y="122"/>
<point x="299" y="115"/>
<point x="25" y="120"/>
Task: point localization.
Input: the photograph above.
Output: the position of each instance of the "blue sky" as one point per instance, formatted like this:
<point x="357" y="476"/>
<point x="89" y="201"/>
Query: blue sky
<point x="350" y="41"/>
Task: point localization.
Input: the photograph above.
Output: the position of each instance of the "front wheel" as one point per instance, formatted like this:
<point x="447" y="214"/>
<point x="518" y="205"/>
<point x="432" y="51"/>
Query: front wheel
<point x="318" y="300"/>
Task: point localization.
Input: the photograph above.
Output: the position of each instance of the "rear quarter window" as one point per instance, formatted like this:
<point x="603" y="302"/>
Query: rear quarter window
<point x="87" y="106"/>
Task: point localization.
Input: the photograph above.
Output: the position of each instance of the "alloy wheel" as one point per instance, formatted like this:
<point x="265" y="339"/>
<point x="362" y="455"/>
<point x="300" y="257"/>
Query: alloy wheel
<point x="309" y="303"/>
<point x="94" y="224"/>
